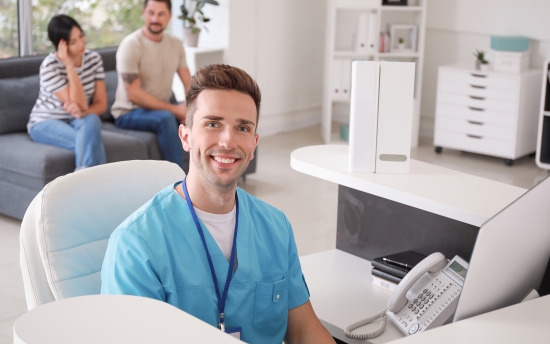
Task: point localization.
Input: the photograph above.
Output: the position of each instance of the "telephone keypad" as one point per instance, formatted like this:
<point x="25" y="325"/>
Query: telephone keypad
<point x="429" y="296"/>
<point x="428" y="303"/>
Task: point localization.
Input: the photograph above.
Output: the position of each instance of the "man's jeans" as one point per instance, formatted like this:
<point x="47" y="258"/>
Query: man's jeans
<point x="161" y="122"/>
<point x="80" y="135"/>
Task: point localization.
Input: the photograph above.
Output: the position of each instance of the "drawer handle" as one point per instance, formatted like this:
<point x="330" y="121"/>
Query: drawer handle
<point x="478" y="75"/>
<point x="475" y="122"/>
<point x="476" y="108"/>
<point x="474" y="136"/>
<point x="478" y="86"/>
<point x="477" y="98"/>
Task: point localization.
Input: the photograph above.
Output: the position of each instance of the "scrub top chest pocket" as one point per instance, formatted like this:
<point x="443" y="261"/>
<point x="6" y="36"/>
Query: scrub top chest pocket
<point x="271" y="303"/>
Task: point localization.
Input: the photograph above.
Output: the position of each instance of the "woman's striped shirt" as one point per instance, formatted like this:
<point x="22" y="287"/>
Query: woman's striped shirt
<point x="53" y="78"/>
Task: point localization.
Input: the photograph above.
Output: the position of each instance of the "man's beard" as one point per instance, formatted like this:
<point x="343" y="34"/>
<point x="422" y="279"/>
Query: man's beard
<point x="155" y="32"/>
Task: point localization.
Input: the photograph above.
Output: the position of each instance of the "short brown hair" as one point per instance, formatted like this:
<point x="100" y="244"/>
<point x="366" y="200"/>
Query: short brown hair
<point x="220" y="77"/>
<point x="167" y="2"/>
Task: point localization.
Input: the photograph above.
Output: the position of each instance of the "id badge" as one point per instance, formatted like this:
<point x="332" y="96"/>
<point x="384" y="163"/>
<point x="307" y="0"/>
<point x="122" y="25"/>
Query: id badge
<point x="234" y="332"/>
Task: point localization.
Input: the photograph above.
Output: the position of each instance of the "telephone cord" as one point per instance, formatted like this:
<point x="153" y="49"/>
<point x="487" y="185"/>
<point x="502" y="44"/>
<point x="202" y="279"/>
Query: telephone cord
<point x="378" y="331"/>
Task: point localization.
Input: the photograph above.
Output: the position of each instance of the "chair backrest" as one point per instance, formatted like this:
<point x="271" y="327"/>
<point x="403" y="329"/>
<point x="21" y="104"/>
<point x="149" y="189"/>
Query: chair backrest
<point x="65" y="231"/>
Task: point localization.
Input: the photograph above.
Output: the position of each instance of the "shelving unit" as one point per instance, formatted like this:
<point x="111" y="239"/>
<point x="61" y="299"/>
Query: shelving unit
<point x="354" y="30"/>
<point x="543" y="141"/>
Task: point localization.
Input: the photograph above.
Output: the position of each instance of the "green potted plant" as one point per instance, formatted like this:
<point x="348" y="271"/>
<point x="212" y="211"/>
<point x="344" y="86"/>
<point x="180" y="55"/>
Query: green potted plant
<point x="481" y="61"/>
<point x="193" y="20"/>
<point x="401" y="43"/>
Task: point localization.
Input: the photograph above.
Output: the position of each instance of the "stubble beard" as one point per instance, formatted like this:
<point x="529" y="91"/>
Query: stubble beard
<point x="213" y="178"/>
<point x="155" y="32"/>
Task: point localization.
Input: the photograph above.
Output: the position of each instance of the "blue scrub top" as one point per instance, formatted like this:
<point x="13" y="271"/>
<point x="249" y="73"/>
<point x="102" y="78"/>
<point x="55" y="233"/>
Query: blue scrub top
<point x="157" y="253"/>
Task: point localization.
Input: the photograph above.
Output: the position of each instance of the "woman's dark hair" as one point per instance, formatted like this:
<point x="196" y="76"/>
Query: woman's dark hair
<point x="60" y="27"/>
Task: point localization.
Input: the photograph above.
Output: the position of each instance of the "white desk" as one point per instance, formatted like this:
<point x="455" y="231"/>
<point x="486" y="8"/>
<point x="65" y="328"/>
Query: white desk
<point x="526" y="322"/>
<point x="113" y="319"/>
<point x="341" y="292"/>
<point x="456" y="195"/>
<point x="340" y="283"/>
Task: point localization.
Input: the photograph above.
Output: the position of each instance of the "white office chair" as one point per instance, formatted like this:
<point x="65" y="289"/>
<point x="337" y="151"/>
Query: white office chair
<point x="65" y="230"/>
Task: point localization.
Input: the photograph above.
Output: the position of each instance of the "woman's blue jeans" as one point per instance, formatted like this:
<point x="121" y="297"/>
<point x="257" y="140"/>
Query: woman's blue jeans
<point x="80" y="135"/>
<point x="161" y="122"/>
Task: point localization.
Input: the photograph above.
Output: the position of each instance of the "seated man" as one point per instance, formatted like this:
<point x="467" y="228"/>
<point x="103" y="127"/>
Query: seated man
<point x="208" y="247"/>
<point x="147" y="60"/>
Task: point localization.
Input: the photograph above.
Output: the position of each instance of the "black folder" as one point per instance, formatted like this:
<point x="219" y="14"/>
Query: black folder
<point x="397" y="264"/>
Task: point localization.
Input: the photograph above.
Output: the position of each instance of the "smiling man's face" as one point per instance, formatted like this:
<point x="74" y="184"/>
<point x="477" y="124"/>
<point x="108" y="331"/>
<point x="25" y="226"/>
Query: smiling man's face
<point x="223" y="137"/>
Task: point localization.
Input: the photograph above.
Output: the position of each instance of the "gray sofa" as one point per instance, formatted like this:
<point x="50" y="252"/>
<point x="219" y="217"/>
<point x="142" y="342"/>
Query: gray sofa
<point x="26" y="166"/>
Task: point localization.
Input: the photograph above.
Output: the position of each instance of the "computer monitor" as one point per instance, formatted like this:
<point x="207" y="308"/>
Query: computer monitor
<point x="510" y="255"/>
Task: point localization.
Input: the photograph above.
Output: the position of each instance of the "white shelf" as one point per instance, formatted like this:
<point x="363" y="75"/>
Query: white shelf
<point x="543" y="134"/>
<point x="401" y="8"/>
<point x="346" y="42"/>
<point x="399" y="55"/>
<point x="350" y="54"/>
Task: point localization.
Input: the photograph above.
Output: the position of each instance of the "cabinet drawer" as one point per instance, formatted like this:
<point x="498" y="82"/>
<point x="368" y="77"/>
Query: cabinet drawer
<point x="510" y="82"/>
<point x="502" y="118"/>
<point x="475" y="129"/>
<point x="478" y="102"/>
<point x="491" y="92"/>
<point x="495" y="147"/>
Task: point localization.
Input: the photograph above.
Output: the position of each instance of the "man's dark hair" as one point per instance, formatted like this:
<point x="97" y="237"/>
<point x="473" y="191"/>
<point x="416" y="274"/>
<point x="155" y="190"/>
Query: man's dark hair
<point x="60" y="27"/>
<point x="220" y="77"/>
<point x="167" y="2"/>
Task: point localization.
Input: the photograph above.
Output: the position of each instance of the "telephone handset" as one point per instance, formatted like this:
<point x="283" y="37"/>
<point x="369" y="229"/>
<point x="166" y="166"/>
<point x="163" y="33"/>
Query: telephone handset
<point x="425" y="298"/>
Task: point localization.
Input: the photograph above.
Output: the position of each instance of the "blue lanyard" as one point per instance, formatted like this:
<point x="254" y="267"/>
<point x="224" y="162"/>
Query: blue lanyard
<point x="223" y="298"/>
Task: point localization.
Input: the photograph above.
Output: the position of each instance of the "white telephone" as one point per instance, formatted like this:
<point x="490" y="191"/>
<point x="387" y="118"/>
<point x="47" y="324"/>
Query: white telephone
<point x="425" y="298"/>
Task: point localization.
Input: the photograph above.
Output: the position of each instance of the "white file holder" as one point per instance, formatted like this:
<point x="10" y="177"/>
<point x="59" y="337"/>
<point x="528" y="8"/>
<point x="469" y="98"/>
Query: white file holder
<point x="363" y="116"/>
<point x="381" y="112"/>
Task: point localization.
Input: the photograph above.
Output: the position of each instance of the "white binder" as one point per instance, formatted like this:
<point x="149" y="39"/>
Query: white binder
<point x="381" y="112"/>
<point x="363" y="116"/>
<point x="361" y="44"/>
<point x="395" y="113"/>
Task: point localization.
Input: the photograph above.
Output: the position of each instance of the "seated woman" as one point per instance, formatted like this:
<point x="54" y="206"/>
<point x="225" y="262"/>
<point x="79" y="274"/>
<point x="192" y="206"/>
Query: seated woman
<point x="72" y="95"/>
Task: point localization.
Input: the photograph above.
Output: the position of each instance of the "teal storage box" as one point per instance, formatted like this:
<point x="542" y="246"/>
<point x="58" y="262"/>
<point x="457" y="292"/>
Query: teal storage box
<point x="344" y="132"/>
<point x="510" y="43"/>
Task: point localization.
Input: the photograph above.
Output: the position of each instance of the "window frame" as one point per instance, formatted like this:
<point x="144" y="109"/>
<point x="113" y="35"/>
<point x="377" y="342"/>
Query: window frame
<point x="24" y="9"/>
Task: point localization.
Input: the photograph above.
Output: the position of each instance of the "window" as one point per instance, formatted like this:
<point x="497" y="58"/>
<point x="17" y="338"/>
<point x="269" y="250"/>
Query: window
<point x="9" y="42"/>
<point x="104" y="22"/>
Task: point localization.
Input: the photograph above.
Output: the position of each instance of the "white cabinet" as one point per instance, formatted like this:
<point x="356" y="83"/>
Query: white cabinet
<point x="354" y="31"/>
<point x="341" y="80"/>
<point x="487" y="112"/>
<point x="543" y="141"/>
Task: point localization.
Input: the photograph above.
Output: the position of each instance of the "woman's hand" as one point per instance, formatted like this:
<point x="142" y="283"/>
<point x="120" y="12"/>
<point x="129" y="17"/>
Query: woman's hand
<point x="63" y="53"/>
<point x="73" y="109"/>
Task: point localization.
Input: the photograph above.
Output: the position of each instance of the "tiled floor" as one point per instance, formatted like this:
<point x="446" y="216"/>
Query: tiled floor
<point x="309" y="203"/>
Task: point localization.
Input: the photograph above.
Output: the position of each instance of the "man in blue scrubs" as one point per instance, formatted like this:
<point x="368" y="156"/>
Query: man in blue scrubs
<point x="208" y="247"/>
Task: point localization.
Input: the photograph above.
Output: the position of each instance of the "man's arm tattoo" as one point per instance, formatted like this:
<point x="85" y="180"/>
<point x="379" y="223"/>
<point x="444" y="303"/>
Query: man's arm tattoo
<point x="129" y="77"/>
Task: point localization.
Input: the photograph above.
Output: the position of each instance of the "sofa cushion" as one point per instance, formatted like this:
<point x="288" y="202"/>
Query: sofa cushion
<point x="25" y="162"/>
<point x="147" y="138"/>
<point x="120" y="147"/>
<point x="111" y="81"/>
<point x="18" y="98"/>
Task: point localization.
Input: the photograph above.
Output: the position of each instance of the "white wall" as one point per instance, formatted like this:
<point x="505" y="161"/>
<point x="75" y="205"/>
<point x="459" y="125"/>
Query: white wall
<point x="281" y="44"/>
<point x="455" y="28"/>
